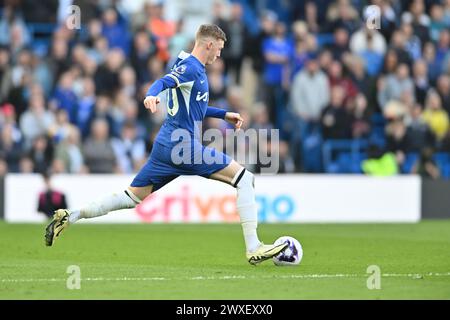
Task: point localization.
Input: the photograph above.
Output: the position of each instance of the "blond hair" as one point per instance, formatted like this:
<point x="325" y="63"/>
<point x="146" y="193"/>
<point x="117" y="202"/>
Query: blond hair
<point x="210" y="31"/>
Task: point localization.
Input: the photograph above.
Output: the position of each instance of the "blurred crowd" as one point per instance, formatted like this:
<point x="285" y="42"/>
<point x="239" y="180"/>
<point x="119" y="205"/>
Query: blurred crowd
<point x="71" y="99"/>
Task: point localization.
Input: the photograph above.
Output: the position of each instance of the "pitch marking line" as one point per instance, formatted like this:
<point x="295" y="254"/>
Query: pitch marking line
<point x="240" y="277"/>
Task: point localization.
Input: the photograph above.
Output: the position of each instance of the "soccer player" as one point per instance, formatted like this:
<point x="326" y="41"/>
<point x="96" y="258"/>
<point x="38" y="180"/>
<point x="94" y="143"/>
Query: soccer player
<point x="187" y="86"/>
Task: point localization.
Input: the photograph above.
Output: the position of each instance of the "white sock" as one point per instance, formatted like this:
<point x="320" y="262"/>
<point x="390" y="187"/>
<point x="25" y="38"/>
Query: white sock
<point x="116" y="201"/>
<point x="246" y="207"/>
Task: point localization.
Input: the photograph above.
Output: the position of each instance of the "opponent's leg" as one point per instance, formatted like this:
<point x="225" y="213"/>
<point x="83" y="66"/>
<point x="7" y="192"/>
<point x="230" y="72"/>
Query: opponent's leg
<point x="243" y="181"/>
<point x="116" y="201"/>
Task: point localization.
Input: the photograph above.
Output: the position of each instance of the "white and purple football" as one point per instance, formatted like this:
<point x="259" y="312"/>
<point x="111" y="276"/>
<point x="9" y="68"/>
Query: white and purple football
<point x="292" y="255"/>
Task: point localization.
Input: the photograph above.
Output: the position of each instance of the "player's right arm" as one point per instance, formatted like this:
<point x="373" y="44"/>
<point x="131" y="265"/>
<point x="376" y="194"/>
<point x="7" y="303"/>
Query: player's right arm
<point x="151" y="98"/>
<point x="176" y="78"/>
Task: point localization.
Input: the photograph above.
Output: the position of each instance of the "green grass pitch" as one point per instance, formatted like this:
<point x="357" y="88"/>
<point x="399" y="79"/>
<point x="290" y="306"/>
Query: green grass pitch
<point x="189" y="261"/>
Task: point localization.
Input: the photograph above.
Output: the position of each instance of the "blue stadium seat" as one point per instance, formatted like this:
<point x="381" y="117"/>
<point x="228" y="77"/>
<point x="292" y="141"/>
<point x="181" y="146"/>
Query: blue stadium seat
<point x="410" y="159"/>
<point x="445" y="172"/>
<point x="324" y="39"/>
<point x="344" y="156"/>
<point x="442" y="160"/>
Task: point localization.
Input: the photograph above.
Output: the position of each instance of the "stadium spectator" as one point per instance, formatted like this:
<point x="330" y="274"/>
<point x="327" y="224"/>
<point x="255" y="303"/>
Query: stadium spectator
<point x="41" y="154"/>
<point x="129" y="149"/>
<point x="217" y="83"/>
<point x="26" y="164"/>
<point x="420" y="78"/>
<point x="3" y="167"/>
<point x="97" y="149"/>
<point x="61" y="128"/>
<point x="103" y="110"/>
<point x="115" y="30"/>
<point x="437" y="23"/>
<point x="277" y="51"/>
<point x="143" y="49"/>
<point x="10" y="148"/>
<point x="180" y="41"/>
<point x="36" y="120"/>
<point x="5" y="72"/>
<point x="425" y="166"/>
<point x="309" y="96"/>
<point x="237" y="34"/>
<point x="342" y="14"/>
<point x="50" y="199"/>
<point x="335" y="120"/>
<point x="302" y="45"/>
<point x="393" y="86"/>
<point x="13" y="30"/>
<point x="418" y="134"/>
<point x="340" y="44"/>
<point x="68" y="152"/>
<point x="396" y="141"/>
<point x="435" y="116"/>
<point x="64" y="97"/>
<point x="127" y="81"/>
<point x="398" y="47"/>
<point x="443" y="88"/>
<point x="365" y="83"/>
<point x="429" y="55"/>
<point x="379" y="163"/>
<point x="337" y="78"/>
<point x="58" y="61"/>
<point x="360" y="113"/>
<point x="161" y="28"/>
<point x="413" y="44"/>
<point x="442" y="50"/>
<point x="311" y="17"/>
<point x="86" y="105"/>
<point x="107" y="75"/>
<point x="418" y="18"/>
<point x="267" y="23"/>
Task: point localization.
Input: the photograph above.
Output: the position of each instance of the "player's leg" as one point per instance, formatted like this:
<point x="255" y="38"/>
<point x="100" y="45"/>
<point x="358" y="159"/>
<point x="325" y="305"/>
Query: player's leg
<point x="152" y="176"/>
<point x="126" y="199"/>
<point x="243" y="180"/>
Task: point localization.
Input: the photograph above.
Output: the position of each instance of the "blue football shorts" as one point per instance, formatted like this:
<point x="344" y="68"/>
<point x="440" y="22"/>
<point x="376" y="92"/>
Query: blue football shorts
<point x="160" y="169"/>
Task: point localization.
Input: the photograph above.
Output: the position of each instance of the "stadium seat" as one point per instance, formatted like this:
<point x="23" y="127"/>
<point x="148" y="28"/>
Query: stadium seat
<point x="344" y="156"/>
<point x="324" y="39"/>
<point x="410" y="159"/>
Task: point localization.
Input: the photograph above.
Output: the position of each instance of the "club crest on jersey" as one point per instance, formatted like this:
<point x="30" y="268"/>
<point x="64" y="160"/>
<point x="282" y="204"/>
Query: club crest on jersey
<point x="204" y="97"/>
<point x="180" y="69"/>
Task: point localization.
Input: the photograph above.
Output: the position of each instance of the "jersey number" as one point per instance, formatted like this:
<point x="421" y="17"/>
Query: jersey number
<point x="172" y="105"/>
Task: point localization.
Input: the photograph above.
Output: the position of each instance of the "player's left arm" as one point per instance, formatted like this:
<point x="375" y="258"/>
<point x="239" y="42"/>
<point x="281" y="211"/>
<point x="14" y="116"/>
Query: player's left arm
<point x="231" y="117"/>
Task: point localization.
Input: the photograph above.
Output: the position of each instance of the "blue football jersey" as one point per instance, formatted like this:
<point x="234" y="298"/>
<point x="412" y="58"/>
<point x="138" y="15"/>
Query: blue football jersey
<point x="188" y="101"/>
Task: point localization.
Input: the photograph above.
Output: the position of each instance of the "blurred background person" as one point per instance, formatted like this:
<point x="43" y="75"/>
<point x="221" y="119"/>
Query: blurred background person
<point x="50" y="199"/>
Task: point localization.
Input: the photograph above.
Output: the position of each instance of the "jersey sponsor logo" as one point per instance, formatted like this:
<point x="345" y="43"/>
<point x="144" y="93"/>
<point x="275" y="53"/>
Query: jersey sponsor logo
<point x="202" y="97"/>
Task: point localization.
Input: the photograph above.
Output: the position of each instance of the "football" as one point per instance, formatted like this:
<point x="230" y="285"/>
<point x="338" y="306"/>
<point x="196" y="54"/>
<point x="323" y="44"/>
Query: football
<point x="292" y="255"/>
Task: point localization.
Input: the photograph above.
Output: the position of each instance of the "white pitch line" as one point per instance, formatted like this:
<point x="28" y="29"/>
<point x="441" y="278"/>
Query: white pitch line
<point x="238" y="277"/>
